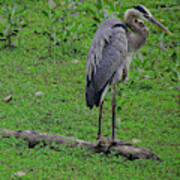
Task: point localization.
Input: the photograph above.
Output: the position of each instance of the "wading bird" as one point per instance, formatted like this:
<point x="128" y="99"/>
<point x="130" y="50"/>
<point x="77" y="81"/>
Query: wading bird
<point x="110" y="53"/>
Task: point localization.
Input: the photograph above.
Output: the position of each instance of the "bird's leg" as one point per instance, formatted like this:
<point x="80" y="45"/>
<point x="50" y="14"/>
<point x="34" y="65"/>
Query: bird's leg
<point x="100" y="117"/>
<point x="113" y="111"/>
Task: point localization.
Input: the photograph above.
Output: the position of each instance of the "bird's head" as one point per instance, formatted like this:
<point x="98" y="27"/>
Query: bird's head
<point x="134" y="18"/>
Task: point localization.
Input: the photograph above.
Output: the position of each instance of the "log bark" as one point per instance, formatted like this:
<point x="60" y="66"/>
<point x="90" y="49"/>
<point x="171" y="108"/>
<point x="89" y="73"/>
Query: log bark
<point x="104" y="145"/>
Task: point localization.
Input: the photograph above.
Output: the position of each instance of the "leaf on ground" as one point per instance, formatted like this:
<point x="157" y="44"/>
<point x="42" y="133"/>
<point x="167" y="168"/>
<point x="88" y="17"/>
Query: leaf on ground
<point x="39" y="93"/>
<point x="19" y="173"/>
<point x="7" y="98"/>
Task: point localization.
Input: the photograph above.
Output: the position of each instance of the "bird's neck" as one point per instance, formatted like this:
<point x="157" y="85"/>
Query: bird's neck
<point x="136" y="40"/>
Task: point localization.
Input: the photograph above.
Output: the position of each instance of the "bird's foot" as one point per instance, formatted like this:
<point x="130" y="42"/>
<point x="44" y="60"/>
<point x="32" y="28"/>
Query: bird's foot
<point x="113" y="142"/>
<point x="104" y="142"/>
<point x="98" y="137"/>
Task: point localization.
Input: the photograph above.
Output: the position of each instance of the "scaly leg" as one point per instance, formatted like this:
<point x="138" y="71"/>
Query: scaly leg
<point x="99" y="124"/>
<point x="113" y="111"/>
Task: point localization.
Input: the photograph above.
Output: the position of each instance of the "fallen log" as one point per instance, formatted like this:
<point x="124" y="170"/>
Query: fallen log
<point x="104" y="145"/>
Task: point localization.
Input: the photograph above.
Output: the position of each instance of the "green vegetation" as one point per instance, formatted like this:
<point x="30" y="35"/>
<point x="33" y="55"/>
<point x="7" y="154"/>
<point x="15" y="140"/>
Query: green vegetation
<point x="43" y="48"/>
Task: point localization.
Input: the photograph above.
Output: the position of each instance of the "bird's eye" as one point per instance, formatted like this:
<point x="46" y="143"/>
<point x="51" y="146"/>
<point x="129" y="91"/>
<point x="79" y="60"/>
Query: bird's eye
<point x="135" y="20"/>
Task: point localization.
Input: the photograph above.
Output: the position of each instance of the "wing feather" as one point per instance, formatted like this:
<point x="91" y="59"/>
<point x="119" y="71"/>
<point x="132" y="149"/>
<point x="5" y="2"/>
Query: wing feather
<point x="95" y="52"/>
<point x="107" y="53"/>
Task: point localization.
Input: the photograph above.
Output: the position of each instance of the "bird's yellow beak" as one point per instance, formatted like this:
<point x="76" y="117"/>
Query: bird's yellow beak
<point x="159" y="25"/>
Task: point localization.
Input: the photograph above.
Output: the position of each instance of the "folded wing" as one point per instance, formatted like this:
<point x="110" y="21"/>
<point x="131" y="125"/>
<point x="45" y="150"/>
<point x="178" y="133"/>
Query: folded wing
<point x="107" y="54"/>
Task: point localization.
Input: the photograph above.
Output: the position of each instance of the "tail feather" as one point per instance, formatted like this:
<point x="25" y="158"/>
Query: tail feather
<point x="93" y="96"/>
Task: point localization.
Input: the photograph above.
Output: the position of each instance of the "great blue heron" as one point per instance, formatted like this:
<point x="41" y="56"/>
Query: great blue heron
<point x="109" y="56"/>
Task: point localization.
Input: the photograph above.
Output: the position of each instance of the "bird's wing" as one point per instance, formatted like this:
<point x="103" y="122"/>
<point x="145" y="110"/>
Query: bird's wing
<point x="103" y="37"/>
<point x="95" y="52"/>
<point x="107" y="54"/>
<point x="114" y="58"/>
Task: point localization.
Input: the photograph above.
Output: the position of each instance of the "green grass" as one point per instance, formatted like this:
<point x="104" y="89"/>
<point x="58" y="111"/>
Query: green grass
<point x="148" y="107"/>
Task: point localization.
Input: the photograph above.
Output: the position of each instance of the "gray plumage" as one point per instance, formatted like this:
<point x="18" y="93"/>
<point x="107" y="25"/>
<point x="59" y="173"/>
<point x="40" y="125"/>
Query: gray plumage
<point x="105" y="58"/>
<point x="110" y="53"/>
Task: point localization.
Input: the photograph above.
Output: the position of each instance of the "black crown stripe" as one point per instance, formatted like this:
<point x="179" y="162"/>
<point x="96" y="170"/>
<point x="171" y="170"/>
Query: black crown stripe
<point x="140" y="8"/>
